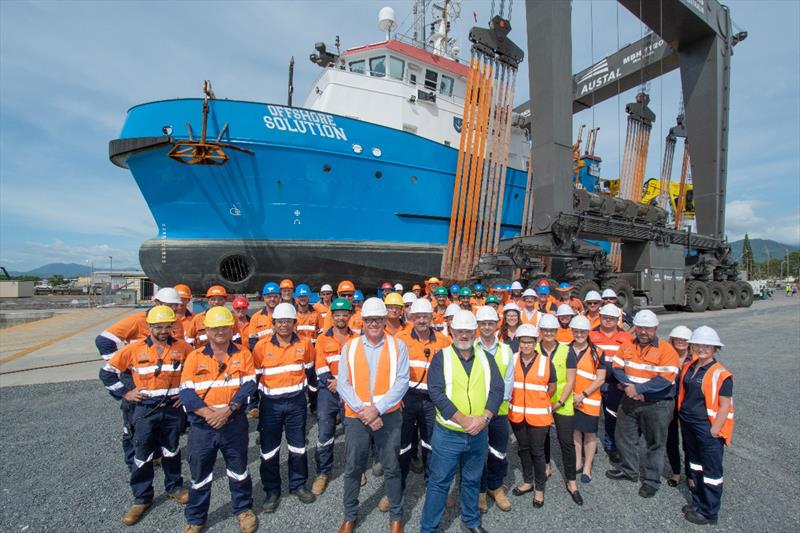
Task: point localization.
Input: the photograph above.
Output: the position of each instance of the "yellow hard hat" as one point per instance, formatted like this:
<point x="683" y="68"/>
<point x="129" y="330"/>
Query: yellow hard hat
<point x="393" y="298"/>
<point x="160" y="314"/>
<point x="217" y="317"/>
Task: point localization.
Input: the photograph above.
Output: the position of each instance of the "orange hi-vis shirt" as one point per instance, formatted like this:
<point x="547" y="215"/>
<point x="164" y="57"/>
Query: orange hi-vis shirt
<point x="586" y="373"/>
<point x="308" y="324"/>
<point x="281" y="368"/>
<point x="609" y="345"/>
<point x="157" y="374"/>
<point x="641" y="364"/>
<point x="260" y="326"/>
<point x="564" y="335"/>
<point x="594" y="322"/>
<point x="394" y="331"/>
<point x="532" y="318"/>
<point x="547" y="307"/>
<point x="328" y="350"/>
<point x="322" y="310"/>
<point x="529" y="399"/>
<point x="128" y="329"/>
<point x="196" y="334"/>
<point x="420" y="352"/>
<point x="356" y="322"/>
<point x="207" y="381"/>
<point x="358" y="367"/>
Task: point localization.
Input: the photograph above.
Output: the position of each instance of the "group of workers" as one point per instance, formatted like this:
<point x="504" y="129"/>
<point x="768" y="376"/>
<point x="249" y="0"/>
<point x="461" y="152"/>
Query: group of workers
<point x="432" y="380"/>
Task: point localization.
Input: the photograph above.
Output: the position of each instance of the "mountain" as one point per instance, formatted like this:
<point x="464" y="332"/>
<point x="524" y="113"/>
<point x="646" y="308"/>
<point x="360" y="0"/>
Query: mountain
<point x="762" y="248"/>
<point x="68" y="270"/>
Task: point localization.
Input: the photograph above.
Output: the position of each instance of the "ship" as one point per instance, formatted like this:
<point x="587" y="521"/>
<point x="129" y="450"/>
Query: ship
<point x="355" y="183"/>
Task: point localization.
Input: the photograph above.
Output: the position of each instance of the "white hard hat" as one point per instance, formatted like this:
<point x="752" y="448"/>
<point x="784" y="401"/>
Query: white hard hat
<point x="373" y="307"/>
<point x="464" y="319"/>
<point x="516" y="286"/>
<point x="421" y="306"/>
<point x="326" y="288"/>
<point x="398" y="287"/>
<point x="409" y="298"/>
<point x="681" y="332"/>
<point x="284" y="310"/>
<point x="548" y="321"/>
<point x="609" y="293"/>
<point x="610" y="310"/>
<point x="511" y="307"/>
<point x="592" y="296"/>
<point x="168" y="295"/>
<point x="529" y="292"/>
<point x="527" y="330"/>
<point x="452" y="309"/>
<point x="580" y="322"/>
<point x="565" y="310"/>
<point x="646" y="319"/>
<point x="706" y="335"/>
<point x="486" y="312"/>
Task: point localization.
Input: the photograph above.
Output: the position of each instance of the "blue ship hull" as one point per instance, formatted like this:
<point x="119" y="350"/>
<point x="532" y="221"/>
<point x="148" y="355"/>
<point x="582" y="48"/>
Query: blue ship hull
<point x="322" y="197"/>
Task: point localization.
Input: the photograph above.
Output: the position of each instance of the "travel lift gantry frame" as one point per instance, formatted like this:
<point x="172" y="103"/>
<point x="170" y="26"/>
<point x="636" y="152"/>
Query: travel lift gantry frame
<point x="660" y="265"/>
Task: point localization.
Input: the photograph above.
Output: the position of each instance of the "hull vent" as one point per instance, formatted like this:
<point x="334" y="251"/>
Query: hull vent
<point x="235" y="268"/>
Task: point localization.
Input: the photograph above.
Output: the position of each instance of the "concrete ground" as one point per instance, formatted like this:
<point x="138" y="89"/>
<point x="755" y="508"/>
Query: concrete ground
<point x="61" y="466"/>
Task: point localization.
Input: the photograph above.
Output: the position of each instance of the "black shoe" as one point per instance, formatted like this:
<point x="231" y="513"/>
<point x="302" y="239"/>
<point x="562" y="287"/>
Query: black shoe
<point x="696" y="518"/>
<point x="271" y="504"/>
<point x="646" y="491"/>
<point x="613" y="456"/>
<point x="619" y="474"/>
<point x="468" y="529"/>
<point x="576" y="497"/>
<point x="517" y="492"/>
<point x="304" y="495"/>
<point x="416" y="465"/>
<point x="538" y="504"/>
<point x="672" y="482"/>
<point x="687" y="508"/>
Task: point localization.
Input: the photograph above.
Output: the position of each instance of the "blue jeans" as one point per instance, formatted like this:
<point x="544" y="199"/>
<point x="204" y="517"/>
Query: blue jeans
<point x="451" y="450"/>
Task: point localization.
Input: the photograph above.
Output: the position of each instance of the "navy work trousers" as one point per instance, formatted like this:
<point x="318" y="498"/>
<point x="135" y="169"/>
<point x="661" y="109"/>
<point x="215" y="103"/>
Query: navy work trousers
<point x="156" y="430"/>
<point x="279" y="415"/>
<point x="611" y="398"/>
<point x="418" y="415"/>
<point x="705" y="466"/>
<point x="494" y="473"/>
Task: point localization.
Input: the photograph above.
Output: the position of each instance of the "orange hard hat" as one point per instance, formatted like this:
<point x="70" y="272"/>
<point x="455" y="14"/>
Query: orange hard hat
<point x="287" y="284"/>
<point x="432" y="280"/>
<point x="240" y="302"/>
<point x="216" y="290"/>
<point x="183" y="290"/>
<point x="345" y="286"/>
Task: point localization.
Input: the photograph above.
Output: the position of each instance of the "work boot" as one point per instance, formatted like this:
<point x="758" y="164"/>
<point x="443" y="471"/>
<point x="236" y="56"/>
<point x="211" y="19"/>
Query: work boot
<point x="193" y="528"/>
<point x="135" y="513"/>
<point x="396" y="526"/>
<point x="377" y="469"/>
<point x="483" y="506"/>
<point x="254" y="412"/>
<point x="248" y="522"/>
<point x="181" y="496"/>
<point x="320" y="484"/>
<point x="384" y="505"/>
<point x="271" y="503"/>
<point x="303" y="495"/>
<point x="500" y="498"/>
<point x="347" y="526"/>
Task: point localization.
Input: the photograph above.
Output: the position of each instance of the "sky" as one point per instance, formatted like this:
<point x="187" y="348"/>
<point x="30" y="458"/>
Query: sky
<point x="70" y="70"/>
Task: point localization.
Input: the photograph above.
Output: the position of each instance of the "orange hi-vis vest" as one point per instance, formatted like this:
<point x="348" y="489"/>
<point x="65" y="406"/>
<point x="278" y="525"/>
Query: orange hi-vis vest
<point x="586" y="374"/>
<point x="713" y="379"/>
<point x="420" y="353"/>
<point x="564" y="335"/>
<point x="529" y="399"/>
<point x="641" y="364"/>
<point x="281" y="369"/>
<point x="328" y="351"/>
<point x="532" y="319"/>
<point x="358" y="368"/>
<point x="156" y="374"/>
<point x="219" y="382"/>
<point x="322" y="310"/>
<point x="308" y="324"/>
<point x="197" y="336"/>
<point x="609" y="346"/>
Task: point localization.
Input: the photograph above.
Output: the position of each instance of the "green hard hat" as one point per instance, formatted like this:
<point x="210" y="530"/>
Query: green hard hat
<point x="492" y="299"/>
<point x="440" y="291"/>
<point x="464" y="291"/>
<point x="341" y="304"/>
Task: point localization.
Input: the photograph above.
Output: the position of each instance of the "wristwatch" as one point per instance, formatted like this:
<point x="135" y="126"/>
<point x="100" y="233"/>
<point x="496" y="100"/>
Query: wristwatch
<point x="487" y="419"/>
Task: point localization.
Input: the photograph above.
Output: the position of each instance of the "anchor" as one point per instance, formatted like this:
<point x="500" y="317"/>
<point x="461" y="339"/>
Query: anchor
<point x="202" y="151"/>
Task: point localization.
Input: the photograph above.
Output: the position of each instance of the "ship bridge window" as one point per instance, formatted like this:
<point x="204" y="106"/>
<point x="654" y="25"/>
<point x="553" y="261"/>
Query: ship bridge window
<point x="396" y="68"/>
<point x="446" y="86"/>
<point x="377" y="66"/>
<point x="431" y="79"/>
<point x="358" y="66"/>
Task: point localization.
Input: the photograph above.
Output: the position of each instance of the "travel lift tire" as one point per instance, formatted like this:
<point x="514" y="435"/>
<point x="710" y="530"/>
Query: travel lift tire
<point x="731" y="294"/>
<point x="716" y="295"/>
<point x="745" y="292"/>
<point x="583" y="286"/>
<point x="624" y="293"/>
<point x="696" y="296"/>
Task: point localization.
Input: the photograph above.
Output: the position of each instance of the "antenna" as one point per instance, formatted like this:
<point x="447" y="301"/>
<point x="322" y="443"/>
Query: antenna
<point x="386" y="21"/>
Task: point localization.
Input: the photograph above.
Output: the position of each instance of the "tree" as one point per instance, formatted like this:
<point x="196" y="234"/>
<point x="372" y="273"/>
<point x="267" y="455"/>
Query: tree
<point x="747" y="256"/>
<point x="56" y="280"/>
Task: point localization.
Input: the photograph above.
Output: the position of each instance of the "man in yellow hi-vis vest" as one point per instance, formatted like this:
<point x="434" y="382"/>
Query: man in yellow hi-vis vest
<point x="466" y="388"/>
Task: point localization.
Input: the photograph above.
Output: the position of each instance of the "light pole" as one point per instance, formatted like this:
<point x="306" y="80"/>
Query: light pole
<point x="111" y="272"/>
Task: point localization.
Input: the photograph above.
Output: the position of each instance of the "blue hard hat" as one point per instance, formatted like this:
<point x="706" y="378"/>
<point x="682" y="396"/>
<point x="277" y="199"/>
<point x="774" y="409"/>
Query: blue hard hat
<point x="270" y="288"/>
<point x="478" y="287"/>
<point x="454" y="288"/>
<point x="302" y="290"/>
<point x="358" y="296"/>
<point x="499" y="287"/>
<point x="564" y="285"/>
<point x="543" y="289"/>
<point x="507" y="287"/>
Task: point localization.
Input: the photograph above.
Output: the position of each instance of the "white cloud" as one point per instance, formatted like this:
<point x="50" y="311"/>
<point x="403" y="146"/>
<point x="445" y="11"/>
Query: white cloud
<point x="747" y="216"/>
<point x="33" y="254"/>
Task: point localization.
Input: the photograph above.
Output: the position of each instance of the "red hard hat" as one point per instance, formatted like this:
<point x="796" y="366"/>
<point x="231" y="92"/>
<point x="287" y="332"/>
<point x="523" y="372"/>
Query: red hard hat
<point x="240" y="302"/>
<point x="386" y="285"/>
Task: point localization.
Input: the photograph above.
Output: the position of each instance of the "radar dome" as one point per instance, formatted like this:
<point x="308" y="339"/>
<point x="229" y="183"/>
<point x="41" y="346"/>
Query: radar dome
<point x="386" y="19"/>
